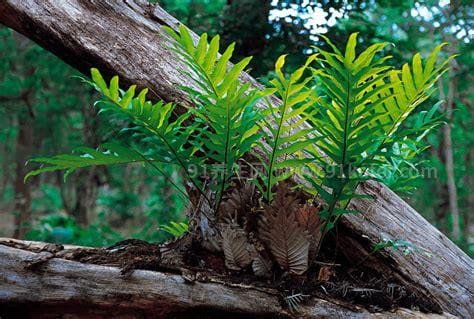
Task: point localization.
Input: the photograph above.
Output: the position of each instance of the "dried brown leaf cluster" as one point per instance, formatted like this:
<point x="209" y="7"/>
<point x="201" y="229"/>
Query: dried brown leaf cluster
<point x="284" y="233"/>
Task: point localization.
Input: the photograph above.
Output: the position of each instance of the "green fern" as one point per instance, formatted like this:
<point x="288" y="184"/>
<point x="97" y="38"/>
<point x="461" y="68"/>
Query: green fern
<point x="411" y="87"/>
<point x="108" y="154"/>
<point x="339" y="135"/>
<point x="282" y="128"/>
<point x="176" y="229"/>
<point x="175" y="144"/>
<point x="359" y="117"/>
<point x="225" y="106"/>
<point x="169" y="137"/>
<point x="346" y="118"/>
<point x="403" y="152"/>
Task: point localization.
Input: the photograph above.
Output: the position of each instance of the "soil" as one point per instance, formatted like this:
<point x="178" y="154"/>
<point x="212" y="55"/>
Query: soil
<point x="332" y="279"/>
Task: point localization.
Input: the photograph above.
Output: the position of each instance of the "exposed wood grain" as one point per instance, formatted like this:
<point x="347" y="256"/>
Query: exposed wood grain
<point x="68" y="285"/>
<point x="125" y="38"/>
<point x="438" y="270"/>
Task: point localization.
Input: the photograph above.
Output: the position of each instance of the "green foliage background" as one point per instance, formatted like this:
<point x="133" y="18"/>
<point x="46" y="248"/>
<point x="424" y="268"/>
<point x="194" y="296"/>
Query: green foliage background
<point x="39" y="92"/>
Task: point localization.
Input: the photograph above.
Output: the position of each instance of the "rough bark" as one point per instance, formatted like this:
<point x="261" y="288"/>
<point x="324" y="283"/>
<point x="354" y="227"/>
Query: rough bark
<point x="125" y="38"/>
<point x="67" y="286"/>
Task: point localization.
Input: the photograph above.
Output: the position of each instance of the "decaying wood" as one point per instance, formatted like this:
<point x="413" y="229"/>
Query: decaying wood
<point x="63" y="287"/>
<point x="125" y="38"/>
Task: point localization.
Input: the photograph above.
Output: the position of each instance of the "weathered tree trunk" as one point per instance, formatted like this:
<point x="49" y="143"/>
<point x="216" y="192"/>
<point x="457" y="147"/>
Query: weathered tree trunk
<point x="125" y="38"/>
<point x="66" y="286"/>
<point x="469" y="198"/>
<point x="24" y="146"/>
<point x="447" y="148"/>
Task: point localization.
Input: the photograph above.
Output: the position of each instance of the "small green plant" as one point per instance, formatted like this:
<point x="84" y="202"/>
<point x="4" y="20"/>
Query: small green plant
<point x="176" y="229"/>
<point x="341" y="118"/>
<point x="404" y="246"/>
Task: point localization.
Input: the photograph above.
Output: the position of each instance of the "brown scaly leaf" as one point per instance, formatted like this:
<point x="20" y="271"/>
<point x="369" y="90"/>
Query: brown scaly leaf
<point x="288" y="243"/>
<point x="286" y="239"/>
<point x="239" y="203"/>
<point x="284" y="199"/>
<point x="307" y="217"/>
<point x="235" y="247"/>
<point x="261" y="266"/>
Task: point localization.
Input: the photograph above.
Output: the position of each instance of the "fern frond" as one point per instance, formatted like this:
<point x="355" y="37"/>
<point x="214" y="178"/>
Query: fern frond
<point x="282" y="128"/>
<point x="176" y="229"/>
<point x="287" y="240"/>
<point x="225" y="106"/>
<point x="411" y="87"/>
<point x="347" y="116"/>
<point x="235" y="247"/>
<point x="156" y="119"/>
<point x="359" y="117"/>
<point x="346" y="119"/>
<point x="107" y="154"/>
<point x="400" y="152"/>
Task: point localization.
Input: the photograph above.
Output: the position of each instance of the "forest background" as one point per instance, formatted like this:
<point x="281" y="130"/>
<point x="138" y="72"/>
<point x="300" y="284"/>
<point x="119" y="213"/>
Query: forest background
<point x="45" y="109"/>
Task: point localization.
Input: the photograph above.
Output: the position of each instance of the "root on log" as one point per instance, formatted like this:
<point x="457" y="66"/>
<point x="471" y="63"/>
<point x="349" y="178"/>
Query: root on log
<point x="125" y="38"/>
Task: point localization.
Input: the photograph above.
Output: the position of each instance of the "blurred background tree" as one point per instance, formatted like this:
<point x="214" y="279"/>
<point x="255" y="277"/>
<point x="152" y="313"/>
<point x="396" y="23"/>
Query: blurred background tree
<point x="45" y="110"/>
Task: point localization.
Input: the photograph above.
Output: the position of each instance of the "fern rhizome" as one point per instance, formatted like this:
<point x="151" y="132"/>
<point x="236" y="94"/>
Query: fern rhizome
<point x="339" y="118"/>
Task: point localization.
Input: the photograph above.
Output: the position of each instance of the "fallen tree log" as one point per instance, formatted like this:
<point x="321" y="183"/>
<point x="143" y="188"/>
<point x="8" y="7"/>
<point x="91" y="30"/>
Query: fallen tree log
<point x="64" y="287"/>
<point x="124" y="38"/>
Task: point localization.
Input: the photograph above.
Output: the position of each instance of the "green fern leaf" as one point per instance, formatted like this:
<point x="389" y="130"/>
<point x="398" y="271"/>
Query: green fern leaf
<point x="108" y="154"/>
<point x="176" y="229"/>
<point x="175" y="145"/>
<point x="411" y="87"/>
<point x="281" y="129"/>
<point x="360" y="115"/>
<point x="225" y="107"/>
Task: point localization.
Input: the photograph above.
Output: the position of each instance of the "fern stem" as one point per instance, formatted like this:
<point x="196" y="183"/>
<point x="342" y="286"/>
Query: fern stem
<point x="331" y="208"/>
<point x="346" y="123"/>
<point x="277" y="137"/>
<point x="226" y="151"/>
<point x="181" y="163"/>
<point x="337" y="193"/>
<point x="149" y="162"/>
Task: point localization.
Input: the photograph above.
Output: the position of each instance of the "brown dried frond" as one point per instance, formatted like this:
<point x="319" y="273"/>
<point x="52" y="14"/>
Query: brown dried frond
<point x="261" y="265"/>
<point x="285" y="238"/>
<point x="285" y="199"/>
<point x="235" y="247"/>
<point x="240" y="201"/>
<point x="307" y="217"/>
